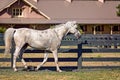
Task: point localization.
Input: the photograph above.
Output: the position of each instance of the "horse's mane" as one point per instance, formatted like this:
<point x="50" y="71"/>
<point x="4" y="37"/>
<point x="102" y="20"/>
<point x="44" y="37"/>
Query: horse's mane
<point x="68" y="24"/>
<point x="59" y="25"/>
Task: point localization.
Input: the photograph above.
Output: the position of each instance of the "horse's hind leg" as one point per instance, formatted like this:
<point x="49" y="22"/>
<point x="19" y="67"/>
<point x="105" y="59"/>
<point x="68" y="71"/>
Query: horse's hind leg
<point x="21" y="55"/>
<point x="16" y="53"/>
<point x="44" y="61"/>
<point x="19" y="50"/>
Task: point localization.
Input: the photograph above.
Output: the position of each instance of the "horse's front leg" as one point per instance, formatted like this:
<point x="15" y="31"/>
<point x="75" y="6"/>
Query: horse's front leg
<point x="21" y="56"/>
<point x="44" y="61"/>
<point x="55" y="54"/>
<point x="23" y="61"/>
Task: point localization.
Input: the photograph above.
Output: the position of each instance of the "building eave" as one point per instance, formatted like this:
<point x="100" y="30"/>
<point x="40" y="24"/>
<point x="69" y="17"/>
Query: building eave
<point x="57" y="21"/>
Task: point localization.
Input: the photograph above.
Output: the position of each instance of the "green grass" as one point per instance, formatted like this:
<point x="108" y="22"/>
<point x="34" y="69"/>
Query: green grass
<point x="113" y="74"/>
<point x="98" y="74"/>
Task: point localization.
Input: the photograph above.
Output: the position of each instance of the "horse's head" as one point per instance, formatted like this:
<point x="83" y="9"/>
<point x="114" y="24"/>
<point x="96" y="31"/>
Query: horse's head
<point x="72" y="28"/>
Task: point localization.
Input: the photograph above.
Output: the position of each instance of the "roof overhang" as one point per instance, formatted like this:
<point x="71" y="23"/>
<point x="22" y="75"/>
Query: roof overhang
<point x="56" y="21"/>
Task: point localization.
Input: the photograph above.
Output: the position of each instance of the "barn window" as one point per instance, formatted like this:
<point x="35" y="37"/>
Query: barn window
<point x="17" y="12"/>
<point x="83" y="27"/>
<point x="100" y="28"/>
<point x="116" y="28"/>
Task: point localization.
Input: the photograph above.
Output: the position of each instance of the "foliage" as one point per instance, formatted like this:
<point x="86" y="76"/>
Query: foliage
<point x="80" y="30"/>
<point x="52" y="26"/>
<point x="118" y="6"/>
<point x="2" y="29"/>
<point x="118" y="12"/>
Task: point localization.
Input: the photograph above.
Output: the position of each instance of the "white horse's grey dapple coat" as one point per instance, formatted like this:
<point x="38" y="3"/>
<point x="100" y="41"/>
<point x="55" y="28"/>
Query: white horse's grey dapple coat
<point x="49" y="39"/>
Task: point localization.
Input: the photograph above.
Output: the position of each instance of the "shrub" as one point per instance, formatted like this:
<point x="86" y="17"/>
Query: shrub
<point x="118" y="12"/>
<point x="2" y="29"/>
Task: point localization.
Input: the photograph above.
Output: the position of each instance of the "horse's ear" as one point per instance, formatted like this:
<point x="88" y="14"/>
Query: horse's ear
<point x="70" y="23"/>
<point x="74" y="22"/>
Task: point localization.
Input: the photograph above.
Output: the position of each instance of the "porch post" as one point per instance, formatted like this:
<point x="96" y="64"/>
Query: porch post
<point x="94" y="30"/>
<point x="33" y="26"/>
<point x="11" y="25"/>
<point x="111" y="31"/>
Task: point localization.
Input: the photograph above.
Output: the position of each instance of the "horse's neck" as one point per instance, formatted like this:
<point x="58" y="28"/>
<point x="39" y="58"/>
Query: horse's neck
<point x="61" y="32"/>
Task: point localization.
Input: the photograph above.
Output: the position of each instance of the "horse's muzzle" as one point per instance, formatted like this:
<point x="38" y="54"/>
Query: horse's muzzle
<point x="77" y="35"/>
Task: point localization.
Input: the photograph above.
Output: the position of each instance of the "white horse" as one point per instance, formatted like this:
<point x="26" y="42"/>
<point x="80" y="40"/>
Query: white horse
<point x="49" y="39"/>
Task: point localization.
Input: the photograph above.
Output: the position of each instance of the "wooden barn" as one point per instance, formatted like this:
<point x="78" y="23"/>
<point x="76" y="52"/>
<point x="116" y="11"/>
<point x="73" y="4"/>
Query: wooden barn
<point x="93" y="16"/>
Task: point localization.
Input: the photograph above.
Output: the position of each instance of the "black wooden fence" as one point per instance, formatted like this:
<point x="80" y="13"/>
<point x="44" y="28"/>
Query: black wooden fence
<point x="104" y="43"/>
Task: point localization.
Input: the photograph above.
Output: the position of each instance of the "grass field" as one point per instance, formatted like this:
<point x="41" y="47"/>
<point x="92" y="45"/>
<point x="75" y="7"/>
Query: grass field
<point x="84" y="74"/>
<point x="108" y="74"/>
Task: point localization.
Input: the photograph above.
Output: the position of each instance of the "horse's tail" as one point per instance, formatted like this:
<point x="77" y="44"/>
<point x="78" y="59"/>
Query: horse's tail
<point x="8" y="39"/>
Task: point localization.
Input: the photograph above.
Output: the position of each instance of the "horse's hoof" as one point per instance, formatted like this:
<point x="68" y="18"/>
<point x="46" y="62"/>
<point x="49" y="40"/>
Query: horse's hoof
<point x="36" y="69"/>
<point x="15" y="70"/>
<point x="26" y="67"/>
<point x="59" y="70"/>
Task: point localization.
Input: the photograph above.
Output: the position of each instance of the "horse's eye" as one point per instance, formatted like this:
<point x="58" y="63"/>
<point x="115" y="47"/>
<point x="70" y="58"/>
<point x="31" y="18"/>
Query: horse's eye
<point x="77" y="28"/>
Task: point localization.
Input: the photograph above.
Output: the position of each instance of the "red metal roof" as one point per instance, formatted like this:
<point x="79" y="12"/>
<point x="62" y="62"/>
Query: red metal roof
<point x="80" y="10"/>
<point x="83" y="11"/>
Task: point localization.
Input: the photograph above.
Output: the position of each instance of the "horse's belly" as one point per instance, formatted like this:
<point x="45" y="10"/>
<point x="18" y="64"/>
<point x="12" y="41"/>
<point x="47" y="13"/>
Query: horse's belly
<point x="38" y="45"/>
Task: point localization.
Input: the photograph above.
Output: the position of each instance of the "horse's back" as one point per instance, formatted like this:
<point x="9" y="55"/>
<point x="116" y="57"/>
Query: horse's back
<point x="21" y="34"/>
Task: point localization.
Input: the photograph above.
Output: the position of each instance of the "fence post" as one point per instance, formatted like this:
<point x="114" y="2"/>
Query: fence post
<point x="79" y="64"/>
<point x="12" y="52"/>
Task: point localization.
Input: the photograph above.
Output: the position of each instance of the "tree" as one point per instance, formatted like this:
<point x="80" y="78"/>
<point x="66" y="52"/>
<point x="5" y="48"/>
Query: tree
<point x="118" y="12"/>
